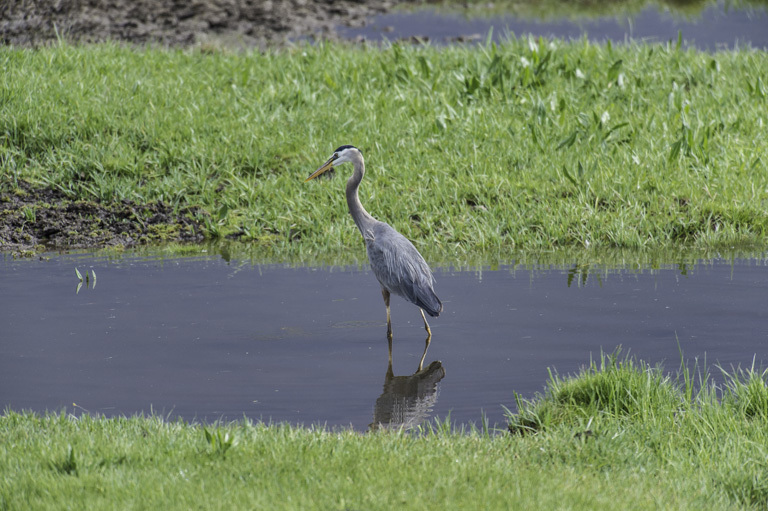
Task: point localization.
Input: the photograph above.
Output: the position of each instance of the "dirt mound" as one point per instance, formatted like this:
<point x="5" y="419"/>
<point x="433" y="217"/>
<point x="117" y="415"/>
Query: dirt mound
<point x="243" y="23"/>
<point x="35" y="218"/>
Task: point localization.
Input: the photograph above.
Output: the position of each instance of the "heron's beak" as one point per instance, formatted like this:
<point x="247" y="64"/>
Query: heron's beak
<point x="326" y="166"/>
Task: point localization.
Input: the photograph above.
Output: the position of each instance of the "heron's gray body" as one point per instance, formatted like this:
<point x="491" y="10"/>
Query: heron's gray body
<point x="400" y="268"/>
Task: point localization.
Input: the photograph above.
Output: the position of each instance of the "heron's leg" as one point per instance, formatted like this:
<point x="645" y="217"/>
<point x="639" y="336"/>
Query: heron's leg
<point x="385" y="294"/>
<point x="390" y="374"/>
<point x="426" y="325"/>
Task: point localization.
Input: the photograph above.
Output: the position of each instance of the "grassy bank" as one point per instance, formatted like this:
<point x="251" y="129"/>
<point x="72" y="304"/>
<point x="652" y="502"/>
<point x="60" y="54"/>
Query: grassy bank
<point x="620" y="435"/>
<point x="528" y="145"/>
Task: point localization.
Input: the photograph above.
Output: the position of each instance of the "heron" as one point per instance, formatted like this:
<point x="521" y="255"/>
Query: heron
<point x="398" y="266"/>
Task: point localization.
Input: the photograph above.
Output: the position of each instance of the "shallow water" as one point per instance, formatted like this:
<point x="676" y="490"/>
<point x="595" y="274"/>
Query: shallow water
<point x="204" y="338"/>
<point x="715" y="27"/>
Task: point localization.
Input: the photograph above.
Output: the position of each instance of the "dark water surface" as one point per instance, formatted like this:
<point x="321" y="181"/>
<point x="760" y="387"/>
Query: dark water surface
<point x="715" y="27"/>
<point x="205" y="339"/>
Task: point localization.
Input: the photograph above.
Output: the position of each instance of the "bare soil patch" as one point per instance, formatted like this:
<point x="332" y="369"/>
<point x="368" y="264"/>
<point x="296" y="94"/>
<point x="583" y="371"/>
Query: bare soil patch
<point x="34" y="219"/>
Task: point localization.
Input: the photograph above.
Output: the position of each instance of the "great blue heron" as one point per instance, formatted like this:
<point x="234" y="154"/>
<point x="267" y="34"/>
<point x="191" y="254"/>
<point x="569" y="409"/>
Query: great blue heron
<point x="394" y="260"/>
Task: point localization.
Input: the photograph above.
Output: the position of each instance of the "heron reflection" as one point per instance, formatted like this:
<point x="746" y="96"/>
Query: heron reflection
<point x="398" y="266"/>
<point x="407" y="401"/>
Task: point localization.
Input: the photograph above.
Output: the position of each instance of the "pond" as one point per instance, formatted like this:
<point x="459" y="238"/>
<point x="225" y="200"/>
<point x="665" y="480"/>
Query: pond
<point x="204" y="338"/>
<point x="718" y="25"/>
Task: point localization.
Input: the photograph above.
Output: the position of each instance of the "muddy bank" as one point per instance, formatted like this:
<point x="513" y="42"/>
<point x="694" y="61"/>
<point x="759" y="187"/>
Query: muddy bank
<point x="179" y="23"/>
<point x="34" y="219"/>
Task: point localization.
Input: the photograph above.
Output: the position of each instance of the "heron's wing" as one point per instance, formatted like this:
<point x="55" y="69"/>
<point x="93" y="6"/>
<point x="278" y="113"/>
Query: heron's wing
<point x="400" y="268"/>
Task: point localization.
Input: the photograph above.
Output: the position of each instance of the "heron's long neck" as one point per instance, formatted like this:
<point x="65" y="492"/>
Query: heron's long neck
<point x="362" y="218"/>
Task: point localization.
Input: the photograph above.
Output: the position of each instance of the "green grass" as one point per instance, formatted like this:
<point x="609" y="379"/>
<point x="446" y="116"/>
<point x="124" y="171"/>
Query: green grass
<point x="618" y="388"/>
<point x="619" y="435"/>
<point x="716" y="434"/>
<point x="529" y="145"/>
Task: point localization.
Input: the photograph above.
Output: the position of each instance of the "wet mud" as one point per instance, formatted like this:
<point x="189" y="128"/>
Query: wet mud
<point x="181" y="23"/>
<point x="34" y="219"/>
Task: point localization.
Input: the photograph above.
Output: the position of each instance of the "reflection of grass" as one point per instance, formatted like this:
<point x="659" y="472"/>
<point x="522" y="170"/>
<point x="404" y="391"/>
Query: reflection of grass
<point x="531" y="144"/>
<point x="620" y="435"/>
<point x="589" y="261"/>
<point x="583" y="9"/>
<point x="91" y="283"/>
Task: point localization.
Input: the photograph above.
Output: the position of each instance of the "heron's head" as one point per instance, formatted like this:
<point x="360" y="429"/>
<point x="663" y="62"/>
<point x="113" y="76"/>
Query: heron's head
<point x="343" y="154"/>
